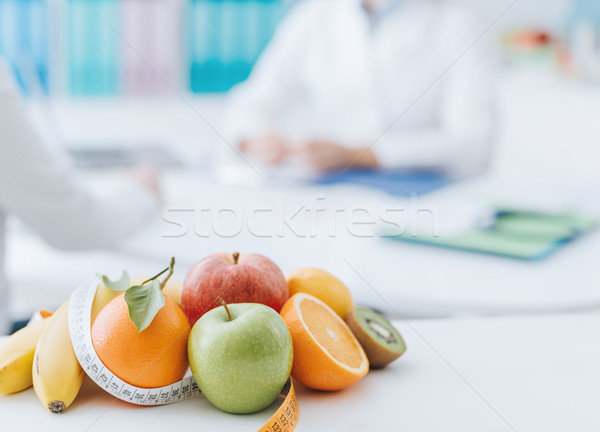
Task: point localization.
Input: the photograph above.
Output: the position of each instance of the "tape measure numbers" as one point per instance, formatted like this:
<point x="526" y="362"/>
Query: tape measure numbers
<point x="80" y="307"/>
<point x="286" y="417"/>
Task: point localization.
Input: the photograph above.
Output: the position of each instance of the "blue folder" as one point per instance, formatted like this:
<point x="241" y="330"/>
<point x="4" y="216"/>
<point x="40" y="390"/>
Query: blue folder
<point x="393" y="182"/>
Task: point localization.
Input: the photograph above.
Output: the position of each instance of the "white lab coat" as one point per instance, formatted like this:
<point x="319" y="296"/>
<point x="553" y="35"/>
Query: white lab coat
<point x="37" y="187"/>
<point x="400" y="82"/>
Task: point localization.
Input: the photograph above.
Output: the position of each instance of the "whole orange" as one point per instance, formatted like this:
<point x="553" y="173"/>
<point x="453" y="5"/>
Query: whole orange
<point x="156" y="357"/>
<point x="324" y="286"/>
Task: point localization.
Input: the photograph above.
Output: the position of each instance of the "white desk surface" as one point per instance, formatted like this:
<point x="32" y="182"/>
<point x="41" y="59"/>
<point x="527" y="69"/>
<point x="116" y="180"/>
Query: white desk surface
<point x="525" y="374"/>
<point x="400" y="279"/>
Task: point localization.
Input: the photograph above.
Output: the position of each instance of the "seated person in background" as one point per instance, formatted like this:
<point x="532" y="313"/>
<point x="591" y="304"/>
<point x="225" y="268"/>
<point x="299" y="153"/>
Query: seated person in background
<point x="36" y="186"/>
<point x="370" y="83"/>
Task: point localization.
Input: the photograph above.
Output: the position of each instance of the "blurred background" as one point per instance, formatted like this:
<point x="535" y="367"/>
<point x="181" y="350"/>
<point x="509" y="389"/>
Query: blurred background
<point x="118" y="82"/>
<point x="89" y="63"/>
<point x="138" y="65"/>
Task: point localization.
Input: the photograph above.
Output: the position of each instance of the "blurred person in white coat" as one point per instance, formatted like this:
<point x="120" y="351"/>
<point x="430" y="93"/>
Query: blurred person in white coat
<point x="36" y="185"/>
<point x="370" y="83"/>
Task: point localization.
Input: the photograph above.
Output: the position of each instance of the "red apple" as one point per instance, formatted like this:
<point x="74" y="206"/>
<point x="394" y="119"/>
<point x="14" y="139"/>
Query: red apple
<point x="236" y="278"/>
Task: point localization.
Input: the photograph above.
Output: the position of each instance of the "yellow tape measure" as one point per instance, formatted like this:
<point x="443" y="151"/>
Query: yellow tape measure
<point x="80" y="308"/>
<point x="286" y="417"/>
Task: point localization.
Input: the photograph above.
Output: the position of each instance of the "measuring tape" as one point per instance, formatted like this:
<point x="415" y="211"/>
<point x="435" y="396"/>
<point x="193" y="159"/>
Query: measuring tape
<point x="80" y="307"/>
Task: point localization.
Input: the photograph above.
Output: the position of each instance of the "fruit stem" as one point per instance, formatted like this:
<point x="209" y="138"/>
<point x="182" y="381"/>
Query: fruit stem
<point x="236" y="256"/>
<point x="57" y="407"/>
<point x="220" y="300"/>
<point x="154" y="277"/>
<point x="168" y="269"/>
<point x="166" y="279"/>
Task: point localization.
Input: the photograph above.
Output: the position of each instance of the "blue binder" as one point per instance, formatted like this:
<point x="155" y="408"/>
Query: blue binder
<point x="225" y="38"/>
<point x="93" y="53"/>
<point x="24" y="41"/>
<point x="393" y="182"/>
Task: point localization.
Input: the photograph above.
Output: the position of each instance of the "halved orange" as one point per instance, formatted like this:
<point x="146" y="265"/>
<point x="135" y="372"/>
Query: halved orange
<point x="327" y="356"/>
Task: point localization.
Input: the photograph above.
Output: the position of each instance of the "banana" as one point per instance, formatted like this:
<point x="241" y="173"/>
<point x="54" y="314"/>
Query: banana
<point x="16" y="357"/>
<point x="173" y="289"/>
<point x="57" y="376"/>
<point x="102" y="298"/>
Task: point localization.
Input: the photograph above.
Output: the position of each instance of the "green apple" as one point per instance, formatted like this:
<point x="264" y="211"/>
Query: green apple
<point x="241" y="356"/>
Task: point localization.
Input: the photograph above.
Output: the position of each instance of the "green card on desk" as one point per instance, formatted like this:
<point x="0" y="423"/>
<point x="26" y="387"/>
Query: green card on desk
<point x="513" y="233"/>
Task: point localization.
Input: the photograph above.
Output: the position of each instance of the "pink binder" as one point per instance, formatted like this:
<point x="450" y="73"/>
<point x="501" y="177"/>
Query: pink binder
<point x="152" y="50"/>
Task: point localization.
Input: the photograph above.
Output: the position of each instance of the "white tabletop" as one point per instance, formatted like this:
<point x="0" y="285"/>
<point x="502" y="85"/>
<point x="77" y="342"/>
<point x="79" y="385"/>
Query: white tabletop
<point x="482" y="374"/>
<point x="397" y="278"/>
<point x="401" y="279"/>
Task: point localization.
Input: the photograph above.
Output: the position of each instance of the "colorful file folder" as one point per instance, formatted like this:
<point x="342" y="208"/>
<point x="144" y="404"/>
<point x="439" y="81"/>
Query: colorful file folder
<point x="515" y="233"/>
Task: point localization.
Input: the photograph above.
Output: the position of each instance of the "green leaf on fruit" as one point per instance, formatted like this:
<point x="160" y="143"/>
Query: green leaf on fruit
<point x="120" y="285"/>
<point x="144" y="302"/>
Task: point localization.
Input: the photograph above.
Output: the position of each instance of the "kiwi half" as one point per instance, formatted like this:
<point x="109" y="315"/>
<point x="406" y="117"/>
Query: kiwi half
<point x="379" y="338"/>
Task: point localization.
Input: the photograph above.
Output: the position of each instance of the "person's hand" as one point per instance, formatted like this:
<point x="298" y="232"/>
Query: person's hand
<point x="270" y="148"/>
<point x="328" y="156"/>
<point x="147" y="176"/>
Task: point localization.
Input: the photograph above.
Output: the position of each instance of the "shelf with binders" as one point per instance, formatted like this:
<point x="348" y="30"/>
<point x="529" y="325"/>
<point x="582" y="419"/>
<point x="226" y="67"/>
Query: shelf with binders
<point x="123" y="46"/>
<point x="225" y="38"/>
<point x="24" y="42"/>
<point x="152" y="54"/>
<point x="113" y="47"/>
<point x="93" y="46"/>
